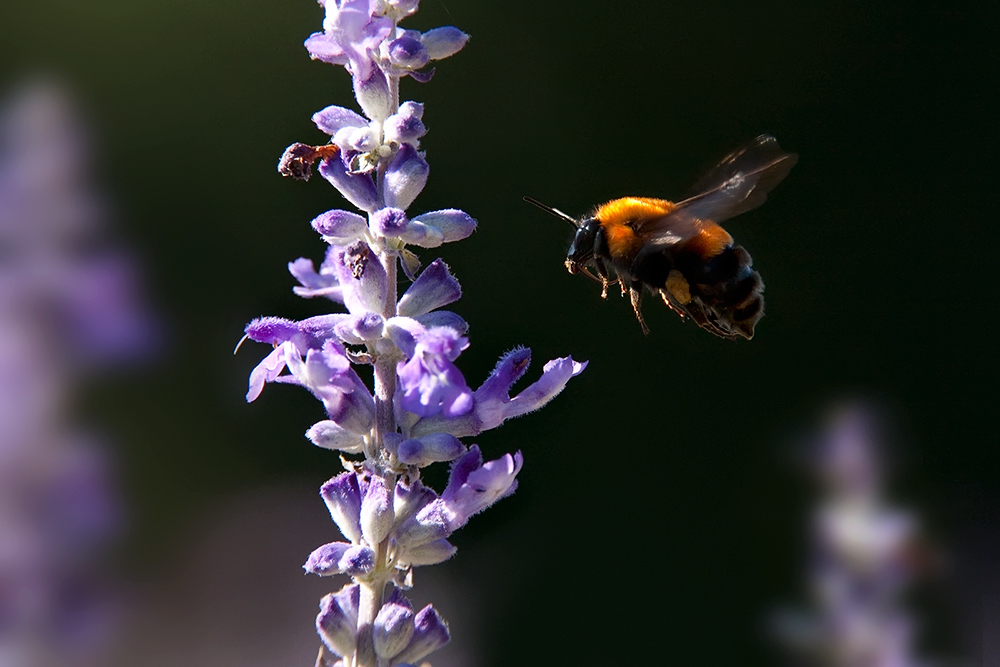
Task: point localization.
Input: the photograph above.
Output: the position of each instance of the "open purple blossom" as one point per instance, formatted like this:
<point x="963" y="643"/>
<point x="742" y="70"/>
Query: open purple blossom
<point x="429" y="380"/>
<point x="419" y="405"/>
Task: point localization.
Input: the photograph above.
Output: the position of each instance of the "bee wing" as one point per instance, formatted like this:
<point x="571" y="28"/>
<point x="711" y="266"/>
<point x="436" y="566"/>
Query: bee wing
<point x="741" y="181"/>
<point x="736" y="185"/>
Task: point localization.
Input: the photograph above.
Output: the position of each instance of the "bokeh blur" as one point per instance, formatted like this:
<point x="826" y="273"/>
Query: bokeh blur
<point x="669" y="460"/>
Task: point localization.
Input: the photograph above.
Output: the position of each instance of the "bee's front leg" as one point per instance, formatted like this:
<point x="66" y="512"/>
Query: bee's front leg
<point x="602" y="273"/>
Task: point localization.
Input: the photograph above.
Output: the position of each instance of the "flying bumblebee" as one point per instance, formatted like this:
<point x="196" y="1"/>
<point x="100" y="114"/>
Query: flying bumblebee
<point x="679" y="251"/>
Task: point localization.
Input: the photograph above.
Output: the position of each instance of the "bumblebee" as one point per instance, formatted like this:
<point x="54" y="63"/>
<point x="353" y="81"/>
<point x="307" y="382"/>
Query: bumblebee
<point x="679" y="251"/>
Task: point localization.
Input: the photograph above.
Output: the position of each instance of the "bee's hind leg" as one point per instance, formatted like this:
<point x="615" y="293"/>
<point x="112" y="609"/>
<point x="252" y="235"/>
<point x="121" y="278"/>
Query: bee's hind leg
<point x="636" y="296"/>
<point x="669" y="301"/>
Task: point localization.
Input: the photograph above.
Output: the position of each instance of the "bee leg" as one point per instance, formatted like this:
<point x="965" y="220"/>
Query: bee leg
<point x="602" y="272"/>
<point x="636" y="297"/>
<point x="668" y="300"/>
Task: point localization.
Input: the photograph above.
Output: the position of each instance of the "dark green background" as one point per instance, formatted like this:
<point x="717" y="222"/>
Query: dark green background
<point x="656" y="519"/>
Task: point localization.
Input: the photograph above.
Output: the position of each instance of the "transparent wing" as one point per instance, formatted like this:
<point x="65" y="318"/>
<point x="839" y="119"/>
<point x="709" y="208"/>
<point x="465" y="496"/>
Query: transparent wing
<point x="736" y="185"/>
<point x="741" y="181"/>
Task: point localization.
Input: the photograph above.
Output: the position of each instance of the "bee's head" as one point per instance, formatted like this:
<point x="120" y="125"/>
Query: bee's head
<point x="581" y="250"/>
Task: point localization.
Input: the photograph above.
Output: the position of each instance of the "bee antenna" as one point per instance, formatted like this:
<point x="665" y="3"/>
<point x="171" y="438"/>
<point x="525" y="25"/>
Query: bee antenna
<point x="553" y="211"/>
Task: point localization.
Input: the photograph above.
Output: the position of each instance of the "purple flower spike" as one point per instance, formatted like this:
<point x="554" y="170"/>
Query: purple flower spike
<point x="430" y="634"/>
<point x="435" y="287"/>
<point x="337" y="622"/>
<point x="390" y="222"/>
<point x="393" y="627"/>
<point x="372" y="93"/>
<point x="343" y="498"/>
<point x="330" y="435"/>
<point x="453" y="224"/>
<point x="474" y="486"/>
<point x="340" y="227"/>
<point x="430" y="382"/>
<point x="323" y="284"/>
<point x="340" y="558"/>
<point x="376" y="512"/>
<point x="359" y="189"/>
<point x="443" y="42"/>
<point x="432" y="448"/>
<point x="333" y="119"/>
<point x="405" y="177"/>
<point x="405" y="126"/>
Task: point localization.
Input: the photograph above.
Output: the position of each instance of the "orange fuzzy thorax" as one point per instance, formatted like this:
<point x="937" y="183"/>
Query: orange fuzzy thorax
<point x="621" y="218"/>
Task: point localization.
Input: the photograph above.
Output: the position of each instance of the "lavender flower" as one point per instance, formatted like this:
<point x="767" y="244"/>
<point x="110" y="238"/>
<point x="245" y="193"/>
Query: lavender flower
<point x="420" y="404"/>
<point x="861" y="558"/>
<point x="67" y="307"/>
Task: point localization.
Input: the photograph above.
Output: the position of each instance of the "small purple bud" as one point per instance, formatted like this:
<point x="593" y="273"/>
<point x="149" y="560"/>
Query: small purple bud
<point x="354" y="411"/>
<point x="361" y="139"/>
<point x="443" y="42"/>
<point x="340" y="227"/>
<point x="333" y="119"/>
<point x="405" y="126"/>
<point x="408" y="53"/>
<point x="367" y="293"/>
<point x="443" y="318"/>
<point x="343" y="499"/>
<point x="340" y="558"/>
<point x="403" y="331"/>
<point x="360" y="329"/>
<point x="425" y="236"/>
<point x="359" y="189"/>
<point x="431" y="448"/>
<point x="330" y="435"/>
<point x="405" y="178"/>
<point x="337" y="622"/>
<point x="430" y="634"/>
<point x="454" y="225"/>
<point x="376" y="512"/>
<point x="373" y="95"/>
<point x="435" y="287"/>
<point x="390" y="222"/>
<point x="429" y="524"/>
<point x="410" y="499"/>
<point x="431" y="553"/>
<point x="393" y="627"/>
